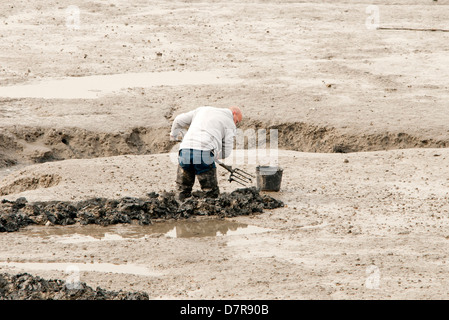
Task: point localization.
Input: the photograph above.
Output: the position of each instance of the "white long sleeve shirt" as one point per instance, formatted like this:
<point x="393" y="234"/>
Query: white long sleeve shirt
<point x="209" y="129"/>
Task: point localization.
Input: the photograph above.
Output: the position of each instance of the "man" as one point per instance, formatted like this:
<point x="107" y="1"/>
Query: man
<point x="210" y="136"/>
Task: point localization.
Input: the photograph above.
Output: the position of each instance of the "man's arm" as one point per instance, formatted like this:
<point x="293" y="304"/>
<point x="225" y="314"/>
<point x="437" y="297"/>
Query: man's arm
<point x="181" y="122"/>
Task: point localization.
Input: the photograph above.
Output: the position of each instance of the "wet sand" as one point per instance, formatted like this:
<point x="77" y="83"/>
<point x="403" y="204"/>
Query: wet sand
<point x="362" y="119"/>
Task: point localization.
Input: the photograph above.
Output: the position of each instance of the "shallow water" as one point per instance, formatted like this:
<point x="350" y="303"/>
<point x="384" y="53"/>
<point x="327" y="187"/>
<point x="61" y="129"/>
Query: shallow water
<point x="79" y="234"/>
<point x="171" y="229"/>
<point x="91" y="87"/>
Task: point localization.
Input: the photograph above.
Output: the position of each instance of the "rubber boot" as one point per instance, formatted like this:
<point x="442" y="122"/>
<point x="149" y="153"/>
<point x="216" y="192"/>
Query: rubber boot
<point x="184" y="181"/>
<point x="209" y="183"/>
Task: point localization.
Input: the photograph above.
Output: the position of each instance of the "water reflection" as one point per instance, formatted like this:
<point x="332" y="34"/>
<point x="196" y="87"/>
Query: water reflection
<point x="171" y="229"/>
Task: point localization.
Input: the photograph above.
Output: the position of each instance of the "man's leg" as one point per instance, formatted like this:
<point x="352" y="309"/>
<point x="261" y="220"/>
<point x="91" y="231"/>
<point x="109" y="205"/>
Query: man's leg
<point x="184" y="181"/>
<point x="209" y="183"/>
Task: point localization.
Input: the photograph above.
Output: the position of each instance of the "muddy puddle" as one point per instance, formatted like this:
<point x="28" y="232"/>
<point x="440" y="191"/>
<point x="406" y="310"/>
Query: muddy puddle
<point x="169" y="229"/>
<point x="93" y="233"/>
<point x="91" y="87"/>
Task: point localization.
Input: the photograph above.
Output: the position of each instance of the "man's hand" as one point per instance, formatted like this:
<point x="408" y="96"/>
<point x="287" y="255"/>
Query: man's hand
<point x="178" y="137"/>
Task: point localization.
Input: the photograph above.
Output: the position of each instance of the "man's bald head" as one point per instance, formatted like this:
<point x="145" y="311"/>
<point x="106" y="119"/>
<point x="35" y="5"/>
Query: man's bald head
<point x="236" y="113"/>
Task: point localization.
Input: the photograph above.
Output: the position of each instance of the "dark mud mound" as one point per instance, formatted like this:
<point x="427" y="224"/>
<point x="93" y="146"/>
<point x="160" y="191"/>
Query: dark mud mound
<point x="17" y="214"/>
<point x="24" y="286"/>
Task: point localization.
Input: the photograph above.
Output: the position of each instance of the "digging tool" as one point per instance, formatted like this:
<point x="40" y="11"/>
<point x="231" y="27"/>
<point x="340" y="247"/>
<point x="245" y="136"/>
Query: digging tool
<point x="237" y="174"/>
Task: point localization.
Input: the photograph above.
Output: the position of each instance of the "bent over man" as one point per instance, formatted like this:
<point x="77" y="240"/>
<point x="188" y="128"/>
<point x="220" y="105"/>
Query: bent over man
<point x="210" y="136"/>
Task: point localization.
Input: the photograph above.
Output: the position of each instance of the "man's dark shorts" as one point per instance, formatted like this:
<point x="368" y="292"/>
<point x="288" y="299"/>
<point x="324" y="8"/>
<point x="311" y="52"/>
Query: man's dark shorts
<point x="198" y="161"/>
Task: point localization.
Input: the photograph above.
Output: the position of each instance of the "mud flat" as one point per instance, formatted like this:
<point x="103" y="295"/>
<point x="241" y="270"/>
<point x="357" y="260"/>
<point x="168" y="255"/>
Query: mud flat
<point x="361" y="115"/>
<point x="328" y="82"/>
<point x="348" y="219"/>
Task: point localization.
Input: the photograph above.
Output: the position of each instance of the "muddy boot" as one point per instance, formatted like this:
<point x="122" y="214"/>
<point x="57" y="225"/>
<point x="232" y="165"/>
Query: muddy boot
<point x="198" y="194"/>
<point x="209" y="183"/>
<point x="184" y="181"/>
